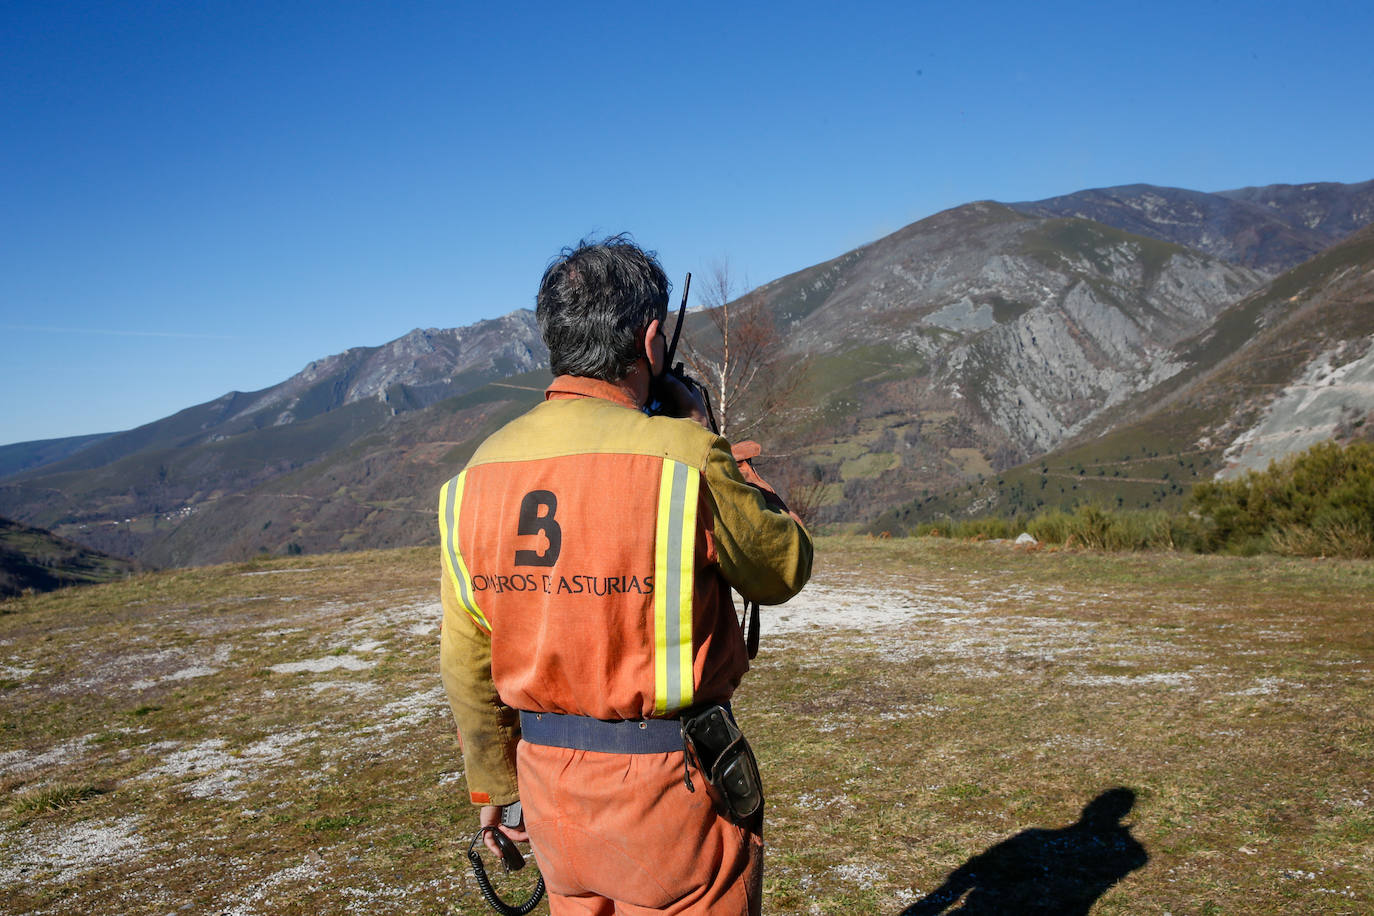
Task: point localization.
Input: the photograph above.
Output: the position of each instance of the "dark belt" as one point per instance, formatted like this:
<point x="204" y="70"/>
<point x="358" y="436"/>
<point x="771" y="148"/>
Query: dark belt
<point x="583" y="733"/>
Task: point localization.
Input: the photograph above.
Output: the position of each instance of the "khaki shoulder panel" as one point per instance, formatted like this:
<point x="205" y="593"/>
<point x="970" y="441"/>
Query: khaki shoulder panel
<point x="580" y="426"/>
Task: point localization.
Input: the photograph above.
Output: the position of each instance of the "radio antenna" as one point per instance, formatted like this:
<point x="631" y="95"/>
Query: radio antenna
<point x="681" y="314"/>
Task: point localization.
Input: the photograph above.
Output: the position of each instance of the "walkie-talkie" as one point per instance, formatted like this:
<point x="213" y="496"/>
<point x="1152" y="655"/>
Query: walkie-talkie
<point x="511" y="858"/>
<point x="655" y="406"/>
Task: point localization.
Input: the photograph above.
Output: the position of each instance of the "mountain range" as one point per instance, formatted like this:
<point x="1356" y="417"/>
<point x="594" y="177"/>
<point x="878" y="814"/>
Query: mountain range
<point x="1271" y="228"/>
<point x="973" y="347"/>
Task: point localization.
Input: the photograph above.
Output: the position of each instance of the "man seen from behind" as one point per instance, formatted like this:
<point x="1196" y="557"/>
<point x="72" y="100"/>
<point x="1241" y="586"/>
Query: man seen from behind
<point x="589" y="550"/>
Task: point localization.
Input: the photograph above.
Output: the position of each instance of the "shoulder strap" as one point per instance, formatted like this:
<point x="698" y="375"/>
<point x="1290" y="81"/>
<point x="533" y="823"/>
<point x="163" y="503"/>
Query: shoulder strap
<point x="751" y="632"/>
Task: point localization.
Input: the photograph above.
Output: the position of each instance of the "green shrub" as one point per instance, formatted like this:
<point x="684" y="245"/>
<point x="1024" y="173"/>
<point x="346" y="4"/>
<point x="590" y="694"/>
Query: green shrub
<point x="1115" y="529"/>
<point x="1317" y="503"/>
<point x="973" y="529"/>
<point x="1052" y="527"/>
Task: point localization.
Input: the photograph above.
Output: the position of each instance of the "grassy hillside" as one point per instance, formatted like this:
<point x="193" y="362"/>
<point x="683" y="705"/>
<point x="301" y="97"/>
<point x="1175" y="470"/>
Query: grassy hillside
<point x="1152" y="465"/>
<point x="32" y="559"/>
<point x="932" y="719"/>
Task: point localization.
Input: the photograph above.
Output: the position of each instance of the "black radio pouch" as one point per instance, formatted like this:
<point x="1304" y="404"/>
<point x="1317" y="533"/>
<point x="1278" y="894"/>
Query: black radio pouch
<point x="720" y="752"/>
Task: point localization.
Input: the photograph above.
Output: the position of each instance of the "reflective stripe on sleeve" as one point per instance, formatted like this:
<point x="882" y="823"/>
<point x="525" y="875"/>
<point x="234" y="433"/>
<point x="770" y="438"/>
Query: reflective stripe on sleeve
<point x="674" y="572"/>
<point x="450" y="502"/>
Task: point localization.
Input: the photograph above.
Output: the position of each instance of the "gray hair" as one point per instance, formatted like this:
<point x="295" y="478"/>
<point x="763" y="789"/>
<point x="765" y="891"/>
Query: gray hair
<point x="594" y="302"/>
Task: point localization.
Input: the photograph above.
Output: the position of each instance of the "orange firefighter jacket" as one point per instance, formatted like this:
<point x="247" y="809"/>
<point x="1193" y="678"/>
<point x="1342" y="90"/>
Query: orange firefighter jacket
<point x="588" y="552"/>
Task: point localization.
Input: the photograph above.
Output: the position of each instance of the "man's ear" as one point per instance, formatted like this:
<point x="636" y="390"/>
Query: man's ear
<point x="654" y="349"/>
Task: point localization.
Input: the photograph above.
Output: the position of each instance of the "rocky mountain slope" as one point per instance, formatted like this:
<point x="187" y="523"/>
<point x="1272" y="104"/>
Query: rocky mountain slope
<point x="408" y="373"/>
<point x="378" y="491"/>
<point x="1286" y="367"/>
<point x="972" y="340"/>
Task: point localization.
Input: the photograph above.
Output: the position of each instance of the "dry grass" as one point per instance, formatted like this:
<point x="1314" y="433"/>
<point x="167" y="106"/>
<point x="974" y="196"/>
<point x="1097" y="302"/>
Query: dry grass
<point x="270" y="737"/>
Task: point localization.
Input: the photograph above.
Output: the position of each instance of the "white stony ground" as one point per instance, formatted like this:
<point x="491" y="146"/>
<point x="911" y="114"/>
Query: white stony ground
<point x="986" y="636"/>
<point x="60" y="855"/>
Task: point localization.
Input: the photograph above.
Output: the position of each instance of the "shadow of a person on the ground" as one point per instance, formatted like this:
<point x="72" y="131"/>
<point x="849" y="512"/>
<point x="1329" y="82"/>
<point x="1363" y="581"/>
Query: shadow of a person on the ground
<point x="1061" y="872"/>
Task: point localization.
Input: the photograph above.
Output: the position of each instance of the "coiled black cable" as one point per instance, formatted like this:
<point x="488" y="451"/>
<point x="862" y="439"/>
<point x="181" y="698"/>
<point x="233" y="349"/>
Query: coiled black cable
<point x="479" y="872"/>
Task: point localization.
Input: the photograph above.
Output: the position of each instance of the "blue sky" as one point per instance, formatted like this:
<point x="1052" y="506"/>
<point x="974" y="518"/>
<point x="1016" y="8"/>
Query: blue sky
<point x="200" y="197"/>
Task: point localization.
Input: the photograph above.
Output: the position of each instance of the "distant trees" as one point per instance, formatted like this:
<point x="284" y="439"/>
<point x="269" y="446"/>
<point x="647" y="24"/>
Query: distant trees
<point x="742" y="363"/>
<point x="755" y="387"/>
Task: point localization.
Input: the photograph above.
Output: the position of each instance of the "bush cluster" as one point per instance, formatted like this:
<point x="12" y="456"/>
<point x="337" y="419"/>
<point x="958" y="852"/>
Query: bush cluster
<point x="1316" y="503"/>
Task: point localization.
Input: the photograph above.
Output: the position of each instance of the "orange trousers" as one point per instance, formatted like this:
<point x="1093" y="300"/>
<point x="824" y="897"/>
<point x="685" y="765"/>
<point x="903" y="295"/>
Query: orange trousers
<point x="621" y="833"/>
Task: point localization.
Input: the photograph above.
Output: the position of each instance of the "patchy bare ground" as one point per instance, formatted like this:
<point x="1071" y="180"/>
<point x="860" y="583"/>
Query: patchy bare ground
<point x="932" y="718"/>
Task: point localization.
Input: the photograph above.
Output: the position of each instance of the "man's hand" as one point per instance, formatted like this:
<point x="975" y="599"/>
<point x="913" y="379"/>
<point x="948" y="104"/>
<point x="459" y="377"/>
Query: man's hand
<point x="490" y="816"/>
<point x="681" y="401"/>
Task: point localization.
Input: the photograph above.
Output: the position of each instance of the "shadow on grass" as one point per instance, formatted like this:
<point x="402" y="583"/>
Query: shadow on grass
<point x="1061" y="872"/>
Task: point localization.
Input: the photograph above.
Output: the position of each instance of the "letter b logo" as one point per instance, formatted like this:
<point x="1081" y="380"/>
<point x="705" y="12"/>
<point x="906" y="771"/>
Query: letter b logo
<point x="536" y="517"/>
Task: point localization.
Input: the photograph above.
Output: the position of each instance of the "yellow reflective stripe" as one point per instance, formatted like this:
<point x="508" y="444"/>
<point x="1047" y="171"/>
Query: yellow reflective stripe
<point x="674" y="575"/>
<point x="450" y="502"/>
